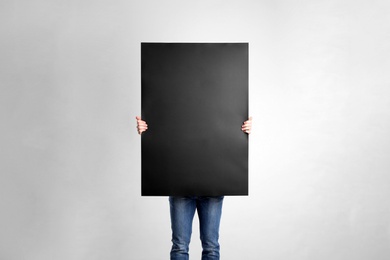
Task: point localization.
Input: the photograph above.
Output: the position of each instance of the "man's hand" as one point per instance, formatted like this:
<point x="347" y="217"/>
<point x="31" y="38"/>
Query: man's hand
<point x="141" y="125"/>
<point x="247" y="126"/>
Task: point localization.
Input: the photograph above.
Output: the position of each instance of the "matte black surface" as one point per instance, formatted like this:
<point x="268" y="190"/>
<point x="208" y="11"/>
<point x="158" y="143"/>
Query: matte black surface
<point x="194" y="100"/>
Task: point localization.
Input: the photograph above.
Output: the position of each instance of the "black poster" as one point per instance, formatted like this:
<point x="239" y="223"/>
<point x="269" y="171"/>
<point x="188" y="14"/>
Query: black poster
<point x="194" y="100"/>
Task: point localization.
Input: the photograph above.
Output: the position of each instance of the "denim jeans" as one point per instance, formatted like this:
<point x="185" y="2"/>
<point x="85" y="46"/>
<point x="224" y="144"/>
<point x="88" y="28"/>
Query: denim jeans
<point x="182" y="211"/>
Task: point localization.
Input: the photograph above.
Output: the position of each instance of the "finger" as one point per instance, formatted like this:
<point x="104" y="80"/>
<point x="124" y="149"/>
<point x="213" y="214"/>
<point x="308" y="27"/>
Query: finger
<point x="247" y="122"/>
<point x="139" y="120"/>
<point x="143" y="128"/>
<point x="246" y="131"/>
<point x="246" y="128"/>
<point x="140" y="131"/>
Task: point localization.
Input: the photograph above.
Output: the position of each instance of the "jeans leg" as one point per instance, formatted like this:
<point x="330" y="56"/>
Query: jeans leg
<point x="209" y="212"/>
<point x="182" y="211"/>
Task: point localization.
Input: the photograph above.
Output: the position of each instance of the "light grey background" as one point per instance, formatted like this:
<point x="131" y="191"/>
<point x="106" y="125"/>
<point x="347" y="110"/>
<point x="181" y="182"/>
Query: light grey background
<point x="319" y="152"/>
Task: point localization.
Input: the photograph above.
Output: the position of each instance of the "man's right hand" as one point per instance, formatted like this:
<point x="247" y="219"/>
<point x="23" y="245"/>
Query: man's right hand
<point x="141" y="125"/>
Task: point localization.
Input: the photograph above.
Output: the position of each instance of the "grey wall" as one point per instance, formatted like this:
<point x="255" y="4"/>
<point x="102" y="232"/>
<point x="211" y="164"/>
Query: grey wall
<point x="319" y="152"/>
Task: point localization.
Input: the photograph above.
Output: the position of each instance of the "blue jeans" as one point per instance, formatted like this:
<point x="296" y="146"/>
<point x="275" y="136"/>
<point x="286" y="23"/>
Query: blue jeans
<point x="182" y="211"/>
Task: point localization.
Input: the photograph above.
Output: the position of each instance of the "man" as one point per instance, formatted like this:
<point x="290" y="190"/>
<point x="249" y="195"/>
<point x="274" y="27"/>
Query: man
<point x="182" y="211"/>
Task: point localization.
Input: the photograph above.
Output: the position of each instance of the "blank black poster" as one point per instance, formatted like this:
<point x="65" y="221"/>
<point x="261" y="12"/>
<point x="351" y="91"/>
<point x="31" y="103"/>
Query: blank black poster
<point x="194" y="100"/>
